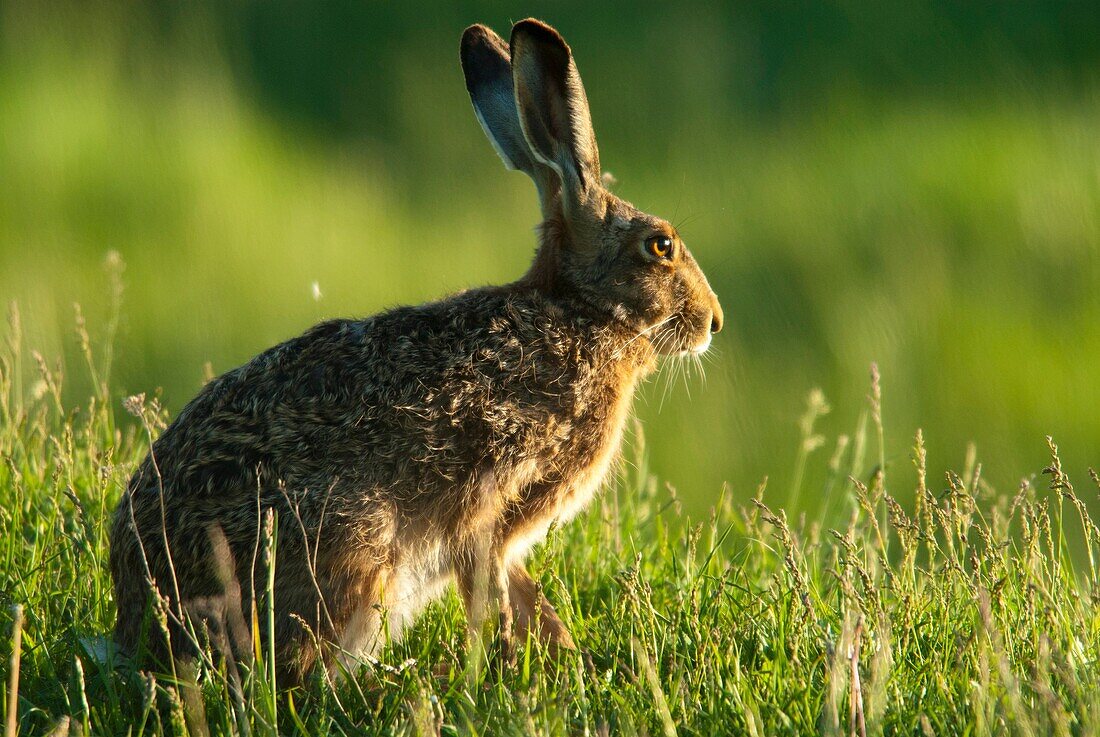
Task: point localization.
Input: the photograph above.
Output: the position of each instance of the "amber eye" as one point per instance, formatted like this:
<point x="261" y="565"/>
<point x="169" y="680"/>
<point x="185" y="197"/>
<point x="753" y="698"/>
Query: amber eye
<point x="659" y="246"/>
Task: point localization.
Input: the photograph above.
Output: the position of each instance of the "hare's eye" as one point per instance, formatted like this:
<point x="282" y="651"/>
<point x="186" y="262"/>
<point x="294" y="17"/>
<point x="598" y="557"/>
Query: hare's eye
<point x="659" y="246"/>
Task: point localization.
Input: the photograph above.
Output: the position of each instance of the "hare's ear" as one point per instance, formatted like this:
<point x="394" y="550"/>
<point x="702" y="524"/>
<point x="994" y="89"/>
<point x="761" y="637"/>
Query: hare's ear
<point x="488" y="72"/>
<point x="553" y="109"/>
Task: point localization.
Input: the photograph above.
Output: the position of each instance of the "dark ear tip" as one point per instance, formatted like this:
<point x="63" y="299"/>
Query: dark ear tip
<point x="478" y="36"/>
<point x="484" y="54"/>
<point x="475" y="33"/>
<point x="537" y="31"/>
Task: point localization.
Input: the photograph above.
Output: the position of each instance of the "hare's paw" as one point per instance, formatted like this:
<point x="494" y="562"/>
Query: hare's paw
<point x="533" y="614"/>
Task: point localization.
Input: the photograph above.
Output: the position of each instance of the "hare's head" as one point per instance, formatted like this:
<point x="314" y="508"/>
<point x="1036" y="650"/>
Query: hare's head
<point x="595" y="247"/>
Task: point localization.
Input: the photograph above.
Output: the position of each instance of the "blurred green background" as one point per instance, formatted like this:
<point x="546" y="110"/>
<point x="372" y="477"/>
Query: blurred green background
<point x="912" y="183"/>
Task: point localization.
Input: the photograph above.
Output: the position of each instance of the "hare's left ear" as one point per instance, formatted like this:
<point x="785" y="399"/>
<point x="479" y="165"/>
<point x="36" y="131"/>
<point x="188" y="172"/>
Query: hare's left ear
<point x="553" y="109"/>
<point x="488" y="71"/>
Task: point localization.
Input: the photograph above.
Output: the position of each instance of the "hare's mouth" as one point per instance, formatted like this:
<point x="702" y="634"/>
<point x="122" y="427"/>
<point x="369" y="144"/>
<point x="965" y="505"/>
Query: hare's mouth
<point x="677" y="338"/>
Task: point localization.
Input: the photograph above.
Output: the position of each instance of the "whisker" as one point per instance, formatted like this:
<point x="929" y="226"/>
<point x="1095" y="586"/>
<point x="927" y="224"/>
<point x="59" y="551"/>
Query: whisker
<point x="667" y="372"/>
<point x="618" y="354"/>
<point x="685" y="221"/>
<point x="677" y="366"/>
<point x="684" y="364"/>
<point x="679" y="200"/>
<point x="681" y="375"/>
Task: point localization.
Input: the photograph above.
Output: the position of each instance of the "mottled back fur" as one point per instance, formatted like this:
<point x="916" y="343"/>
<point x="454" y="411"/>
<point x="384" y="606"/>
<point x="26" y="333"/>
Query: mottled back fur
<point x="424" y="444"/>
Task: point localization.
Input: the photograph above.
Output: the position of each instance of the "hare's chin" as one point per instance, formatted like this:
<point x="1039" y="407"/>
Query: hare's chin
<point x="701" y="347"/>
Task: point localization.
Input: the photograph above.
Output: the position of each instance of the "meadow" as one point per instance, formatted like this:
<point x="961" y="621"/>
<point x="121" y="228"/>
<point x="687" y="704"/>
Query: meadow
<point x="964" y="613"/>
<point x="914" y="188"/>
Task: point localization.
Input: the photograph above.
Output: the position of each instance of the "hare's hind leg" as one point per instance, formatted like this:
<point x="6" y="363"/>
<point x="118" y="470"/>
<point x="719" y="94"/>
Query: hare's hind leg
<point x="328" y="616"/>
<point x="362" y="630"/>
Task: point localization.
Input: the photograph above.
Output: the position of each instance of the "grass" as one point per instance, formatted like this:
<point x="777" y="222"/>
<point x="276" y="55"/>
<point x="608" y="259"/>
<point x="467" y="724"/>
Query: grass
<point x="969" y="612"/>
<point x="954" y="238"/>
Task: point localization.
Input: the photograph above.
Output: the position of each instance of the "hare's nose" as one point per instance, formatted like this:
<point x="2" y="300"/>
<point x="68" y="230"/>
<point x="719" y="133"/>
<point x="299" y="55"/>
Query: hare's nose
<point x="715" y="315"/>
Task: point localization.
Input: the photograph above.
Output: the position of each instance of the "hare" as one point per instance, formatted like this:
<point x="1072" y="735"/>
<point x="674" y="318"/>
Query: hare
<point x="392" y="455"/>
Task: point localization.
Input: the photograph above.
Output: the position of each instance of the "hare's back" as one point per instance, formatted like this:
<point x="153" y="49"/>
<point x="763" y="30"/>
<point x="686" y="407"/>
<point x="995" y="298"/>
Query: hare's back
<point x="416" y="396"/>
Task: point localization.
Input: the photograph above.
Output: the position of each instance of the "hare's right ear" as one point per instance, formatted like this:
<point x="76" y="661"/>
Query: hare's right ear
<point x="553" y="110"/>
<point x="488" y="71"/>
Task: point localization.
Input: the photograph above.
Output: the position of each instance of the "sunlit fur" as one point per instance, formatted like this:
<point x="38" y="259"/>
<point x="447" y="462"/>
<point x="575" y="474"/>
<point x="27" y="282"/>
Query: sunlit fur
<point x="410" y="449"/>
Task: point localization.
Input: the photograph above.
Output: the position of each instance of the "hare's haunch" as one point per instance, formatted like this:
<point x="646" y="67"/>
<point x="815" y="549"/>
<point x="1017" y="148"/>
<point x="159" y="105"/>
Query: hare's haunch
<point x="425" y="444"/>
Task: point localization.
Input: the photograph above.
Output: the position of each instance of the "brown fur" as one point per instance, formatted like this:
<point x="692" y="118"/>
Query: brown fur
<point x="423" y="444"/>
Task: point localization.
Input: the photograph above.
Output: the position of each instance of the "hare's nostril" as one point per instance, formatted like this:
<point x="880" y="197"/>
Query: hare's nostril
<point x="716" y="322"/>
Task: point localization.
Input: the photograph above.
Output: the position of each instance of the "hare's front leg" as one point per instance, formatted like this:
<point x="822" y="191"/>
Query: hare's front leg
<point x="534" y="614"/>
<point x="483" y="586"/>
